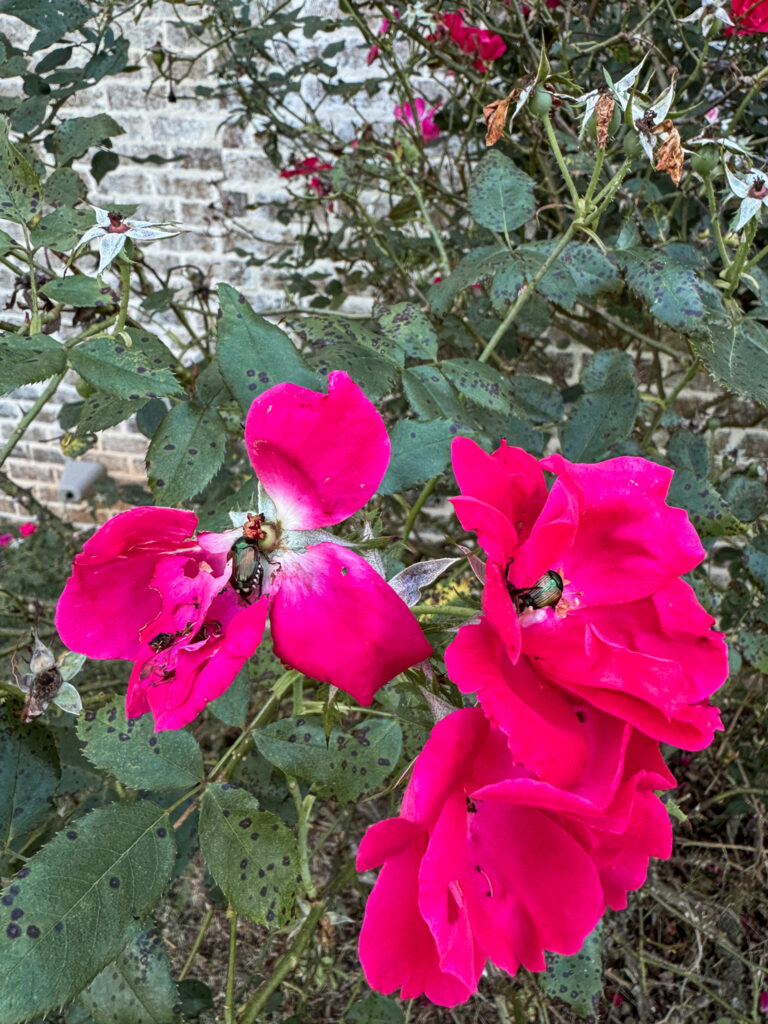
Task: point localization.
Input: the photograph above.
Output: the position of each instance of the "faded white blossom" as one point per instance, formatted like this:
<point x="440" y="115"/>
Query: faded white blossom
<point x="752" y="190"/>
<point x="112" y="229"/>
<point x="708" y="13"/>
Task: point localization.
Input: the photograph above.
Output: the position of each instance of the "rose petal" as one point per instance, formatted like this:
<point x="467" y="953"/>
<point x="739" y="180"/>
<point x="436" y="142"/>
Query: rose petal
<point x="108" y="600"/>
<point x="335" y="619"/>
<point x="319" y="457"/>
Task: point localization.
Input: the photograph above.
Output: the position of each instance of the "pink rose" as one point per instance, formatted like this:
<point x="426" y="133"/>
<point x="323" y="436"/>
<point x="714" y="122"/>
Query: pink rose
<point x="472" y="40"/>
<point x="627" y="634"/>
<point x="146" y="590"/>
<point x="427" y="126"/>
<point x="6" y="539"/>
<point x="310" y="165"/>
<point x="27" y="529"/>
<point x="750" y="16"/>
<point x="490" y="860"/>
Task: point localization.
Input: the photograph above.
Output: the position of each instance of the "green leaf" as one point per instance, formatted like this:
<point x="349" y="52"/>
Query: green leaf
<point x="754" y="647"/>
<point x="479" y="383"/>
<point x="756" y="559"/>
<point x="500" y="195"/>
<point x="536" y="400"/>
<point x="102" y="410"/>
<point x="185" y="453"/>
<point x="375" y="375"/>
<point x="20" y="189"/>
<point x="103" y="162"/>
<point x="250" y="853"/>
<point x="141" y="370"/>
<point x="746" y="498"/>
<point x="737" y="358"/>
<point x="79" y="291"/>
<point x="709" y="513"/>
<point x="135" y="754"/>
<point x="268" y="784"/>
<point x="253" y="354"/>
<point x="29" y="775"/>
<point x="430" y="395"/>
<point x="472" y="269"/>
<point x="52" y="18"/>
<point x="607" y="410"/>
<point x="419" y="451"/>
<point x="410" y="329"/>
<point x="61" y="229"/>
<point x="28" y="360"/>
<point x="348" y="766"/>
<point x="592" y="272"/>
<point x="669" y="289"/>
<point x="80" y="897"/>
<point x="73" y="138"/>
<point x="577" y="980"/>
<point x="689" y="451"/>
<point x="137" y="987"/>
<point x="375" y="1009"/>
<point x="64" y="187"/>
<point x="232" y="706"/>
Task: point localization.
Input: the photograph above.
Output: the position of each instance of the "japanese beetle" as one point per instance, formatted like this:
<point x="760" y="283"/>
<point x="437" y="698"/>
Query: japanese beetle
<point x="545" y="592"/>
<point x="247" y="574"/>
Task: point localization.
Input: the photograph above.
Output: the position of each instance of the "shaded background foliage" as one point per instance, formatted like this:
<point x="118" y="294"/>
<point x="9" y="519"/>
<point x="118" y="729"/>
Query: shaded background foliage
<point x="556" y="290"/>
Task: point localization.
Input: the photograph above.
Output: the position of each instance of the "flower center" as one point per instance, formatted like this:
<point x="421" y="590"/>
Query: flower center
<point x="117" y="226"/>
<point x="249" y="555"/>
<point x="545" y="592"/>
<point x="759" y="189"/>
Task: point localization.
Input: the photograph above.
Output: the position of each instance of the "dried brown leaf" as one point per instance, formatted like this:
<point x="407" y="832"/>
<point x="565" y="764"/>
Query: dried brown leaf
<point x="496" y="117"/>
<point x="603" y="114"/>
<point x="670" y="152"/>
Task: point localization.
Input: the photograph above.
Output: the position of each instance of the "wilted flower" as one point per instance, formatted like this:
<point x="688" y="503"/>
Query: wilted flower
<point x="427" y="126"/>
<point x="620" y="92"/>
<point x="615" y="624"/>
<point x="493" y="858"/>
<point x="708" y="13"/>
<point x="189" y="611"/>
<point x="646" y="118"/>
<point x="752" y="190"/>
<point x="112" y="229"/>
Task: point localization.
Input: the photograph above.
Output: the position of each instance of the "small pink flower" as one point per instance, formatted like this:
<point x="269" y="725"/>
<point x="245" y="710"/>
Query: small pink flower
<point x="27" y="529"/>
<point x="373" y="53"/>
<point x="762" y="1002"/>
<point x="490" y="860"/>
<point x="475" y="41"/>
<point x="713" y="115"/>
<point x="6" y="539"/>
<point x="310" y="165"/>
<point x="627" y="634"/>
<point x="427" y="126"/>
<point x="176" y="607"/>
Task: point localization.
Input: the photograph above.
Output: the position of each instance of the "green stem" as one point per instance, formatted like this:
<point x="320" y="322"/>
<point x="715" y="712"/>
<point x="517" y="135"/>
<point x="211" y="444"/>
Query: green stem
<point x="287" y="963"/>
<point x="29" y="416"/>
<point x="550" y="130"/>
<point x="691" y="372"/>
<point x="44" y="515"/>
<point x="715" y="220"/>
<point x="756" y="259"/>
<point x="737" y="267"/>
<point x="595" y="176"/>
<point x="604" y="197"/>
<point x="440" y="609"/>
<point x="303" y="810"/>
<point x="34" y="325"/>
<point x="229" y="999"/>
<point x="417" y="506"/>
<point x="125" y="295"/>
<point x="759" y="77"/>
<point x="445" y="264"/>
<point x="197" y="944"/>
<point x="526" y="292"/>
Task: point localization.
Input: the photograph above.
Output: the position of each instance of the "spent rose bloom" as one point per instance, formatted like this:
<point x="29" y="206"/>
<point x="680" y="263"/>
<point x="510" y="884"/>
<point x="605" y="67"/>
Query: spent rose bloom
<point x="427" y="126"/>
<point x="112" y="229"/>
<point x="189" y="611"/>
<point x="752" y="190"/>
<point x="627" y="635"/>
<point x="490" y="860"/>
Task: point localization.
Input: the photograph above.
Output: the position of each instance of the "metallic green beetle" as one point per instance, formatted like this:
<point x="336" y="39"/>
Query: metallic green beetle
<point x="247" y="570"/>
<point x="545" y="592"/>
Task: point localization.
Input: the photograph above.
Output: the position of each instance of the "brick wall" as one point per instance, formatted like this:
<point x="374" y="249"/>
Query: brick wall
<point x="221" y="170"/>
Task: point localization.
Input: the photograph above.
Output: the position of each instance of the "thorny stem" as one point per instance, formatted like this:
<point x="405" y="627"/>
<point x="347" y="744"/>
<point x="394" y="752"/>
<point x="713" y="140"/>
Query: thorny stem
<point x="445" y="264"/>
<point x="197" y="944"/>
<point x="595" y="176"/>
<point x="287" y="963"/>
<point x="693" y="369"/>
<point x="34" y="325"/>
<point x="303" y="810"/>
<point x="229" y="999"/>
<point x="550" y="130"/>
